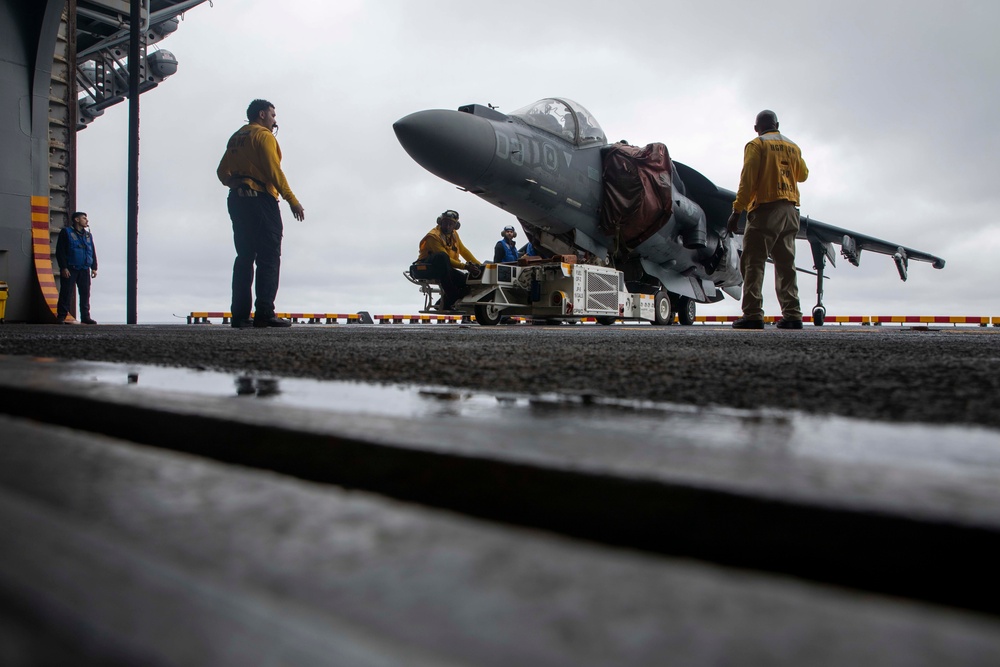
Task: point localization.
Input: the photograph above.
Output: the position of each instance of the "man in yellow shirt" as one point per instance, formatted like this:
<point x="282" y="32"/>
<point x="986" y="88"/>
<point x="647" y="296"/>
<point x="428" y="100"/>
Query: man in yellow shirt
<point x="251" y="169"/>
<point x="440" y="258"/>
<point x="772" y="168"/>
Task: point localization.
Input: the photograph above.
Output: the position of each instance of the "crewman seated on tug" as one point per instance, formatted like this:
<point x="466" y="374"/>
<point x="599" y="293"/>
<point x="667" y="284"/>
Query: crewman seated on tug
<point x="440" y="259"/>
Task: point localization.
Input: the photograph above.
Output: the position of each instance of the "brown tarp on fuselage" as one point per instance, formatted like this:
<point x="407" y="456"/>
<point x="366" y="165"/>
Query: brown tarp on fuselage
<point x="637" y="193"/>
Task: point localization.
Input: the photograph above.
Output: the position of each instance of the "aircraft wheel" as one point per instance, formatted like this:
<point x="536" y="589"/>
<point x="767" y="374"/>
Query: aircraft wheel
<point x="607" y="320"/>
<point x="686" y="310"/>
<point x="488" y="316"/>
<point x="819" y="315"/>
<point x="663" y="309"/>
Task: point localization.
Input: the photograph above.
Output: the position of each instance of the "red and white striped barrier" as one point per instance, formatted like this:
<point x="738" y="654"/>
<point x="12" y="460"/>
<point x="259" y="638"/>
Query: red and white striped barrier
<point x="204" y="317"/>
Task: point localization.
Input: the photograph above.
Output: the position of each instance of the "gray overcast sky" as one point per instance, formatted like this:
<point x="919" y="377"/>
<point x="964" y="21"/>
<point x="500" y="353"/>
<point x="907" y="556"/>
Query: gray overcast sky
<point x="894" y="104"/>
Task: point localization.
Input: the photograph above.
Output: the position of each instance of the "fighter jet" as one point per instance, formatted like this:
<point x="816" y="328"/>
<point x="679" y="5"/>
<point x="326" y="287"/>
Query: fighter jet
<point x="660" y="222"/>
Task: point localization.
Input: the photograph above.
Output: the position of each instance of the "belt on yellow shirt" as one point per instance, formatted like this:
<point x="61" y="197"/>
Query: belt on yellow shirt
<point x="244" y="191"/>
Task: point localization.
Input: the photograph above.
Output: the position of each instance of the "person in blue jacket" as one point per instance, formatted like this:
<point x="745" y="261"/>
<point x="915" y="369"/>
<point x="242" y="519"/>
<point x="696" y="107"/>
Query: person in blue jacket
<point x="506" y="250"/>
<point x="77" y="258"/>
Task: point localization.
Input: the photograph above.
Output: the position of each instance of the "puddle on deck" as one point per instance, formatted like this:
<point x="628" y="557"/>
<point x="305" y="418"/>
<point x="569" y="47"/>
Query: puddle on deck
<point x="942" y="448"/>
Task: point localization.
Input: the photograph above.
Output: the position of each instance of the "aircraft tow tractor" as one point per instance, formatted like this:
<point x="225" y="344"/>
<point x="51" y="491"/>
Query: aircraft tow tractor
<point x="555" y="290"/>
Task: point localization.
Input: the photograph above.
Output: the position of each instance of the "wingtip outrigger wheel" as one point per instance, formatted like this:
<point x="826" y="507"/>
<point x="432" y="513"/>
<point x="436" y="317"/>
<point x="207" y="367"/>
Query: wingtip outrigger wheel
<point x="819" y="315"/>
<point x="819" y="251"/>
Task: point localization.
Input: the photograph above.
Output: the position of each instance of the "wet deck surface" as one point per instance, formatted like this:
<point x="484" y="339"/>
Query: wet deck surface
<point x="517" y="514"/>
<point x="947" y="375"/>
<point x="780" y="453"/>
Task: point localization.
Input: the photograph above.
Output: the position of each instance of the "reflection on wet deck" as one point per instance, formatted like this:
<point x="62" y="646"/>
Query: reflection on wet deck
<point x="592" y="419"/>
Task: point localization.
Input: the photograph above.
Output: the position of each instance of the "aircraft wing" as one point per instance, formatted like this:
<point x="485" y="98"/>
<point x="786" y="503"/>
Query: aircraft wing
<point x="717" y="203"/>
<point x="851" y="243"/>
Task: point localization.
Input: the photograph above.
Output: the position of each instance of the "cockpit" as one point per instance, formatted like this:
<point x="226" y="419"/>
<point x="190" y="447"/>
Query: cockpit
<point x="564" y="118"/>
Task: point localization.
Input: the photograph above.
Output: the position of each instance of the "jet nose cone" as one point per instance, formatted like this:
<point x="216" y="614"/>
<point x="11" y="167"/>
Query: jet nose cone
<point x="453" y="145"/>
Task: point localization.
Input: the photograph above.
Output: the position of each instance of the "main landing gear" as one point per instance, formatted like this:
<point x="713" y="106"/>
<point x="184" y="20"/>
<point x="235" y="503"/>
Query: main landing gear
<point x="664" y="308"/>
<point x="686" y="310"/>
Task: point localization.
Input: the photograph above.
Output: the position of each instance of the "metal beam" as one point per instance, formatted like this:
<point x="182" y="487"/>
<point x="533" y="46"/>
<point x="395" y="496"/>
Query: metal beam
<point x="132" y="233"/>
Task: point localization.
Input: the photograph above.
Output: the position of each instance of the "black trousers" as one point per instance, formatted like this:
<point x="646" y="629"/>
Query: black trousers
<point x="257" y="232"/>
<point x="438" y="267"/>
<point x="79" y="279"/>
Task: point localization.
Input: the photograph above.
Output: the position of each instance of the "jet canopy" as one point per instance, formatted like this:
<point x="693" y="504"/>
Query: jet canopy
<point x="564" y="118"/>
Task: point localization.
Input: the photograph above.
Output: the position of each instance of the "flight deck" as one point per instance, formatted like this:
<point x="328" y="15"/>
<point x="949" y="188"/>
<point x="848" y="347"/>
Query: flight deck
<point x="507" y="495"/>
